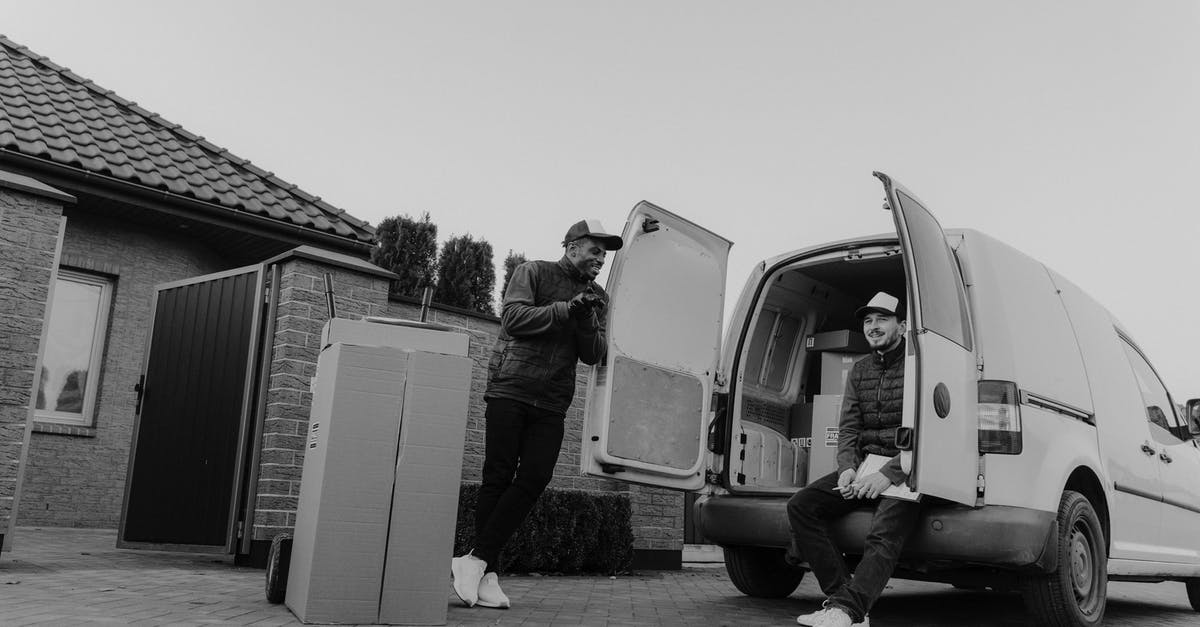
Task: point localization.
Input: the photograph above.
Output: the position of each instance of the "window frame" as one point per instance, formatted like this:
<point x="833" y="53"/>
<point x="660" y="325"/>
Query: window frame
<point x="87" y="415"/>
<point x="1175" y="427"/>
<point x="760" y="381"/>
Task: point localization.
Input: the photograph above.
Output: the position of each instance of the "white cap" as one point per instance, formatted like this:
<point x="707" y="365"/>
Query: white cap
<point x="881" y="302"/>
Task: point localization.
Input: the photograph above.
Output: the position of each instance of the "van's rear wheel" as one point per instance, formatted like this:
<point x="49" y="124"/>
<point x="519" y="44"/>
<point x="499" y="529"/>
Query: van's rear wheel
<point x="1075" y="593"/>
<point x="761" y="572"/>
<point x="1193" y="590"/>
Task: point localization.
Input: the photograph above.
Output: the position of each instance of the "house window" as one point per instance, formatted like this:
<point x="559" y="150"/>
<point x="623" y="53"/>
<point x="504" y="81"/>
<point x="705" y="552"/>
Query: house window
<point x="74" y="345"/>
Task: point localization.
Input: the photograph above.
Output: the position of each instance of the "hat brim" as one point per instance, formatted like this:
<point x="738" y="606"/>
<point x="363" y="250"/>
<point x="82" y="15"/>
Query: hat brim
<point x="863" y="311"/>
<point x="610" y="242"/>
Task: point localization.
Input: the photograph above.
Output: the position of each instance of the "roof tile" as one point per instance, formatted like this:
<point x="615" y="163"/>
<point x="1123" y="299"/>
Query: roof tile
<point x="48" y="111"/>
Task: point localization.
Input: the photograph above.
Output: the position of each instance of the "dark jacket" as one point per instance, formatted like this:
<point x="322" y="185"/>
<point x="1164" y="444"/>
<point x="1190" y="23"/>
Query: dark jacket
<point x="871" y="412"/>
<point x="533" y="360"/>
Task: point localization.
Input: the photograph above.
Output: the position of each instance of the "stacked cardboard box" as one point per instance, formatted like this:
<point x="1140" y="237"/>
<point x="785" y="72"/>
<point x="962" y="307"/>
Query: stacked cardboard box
<point x="378" y="495"/>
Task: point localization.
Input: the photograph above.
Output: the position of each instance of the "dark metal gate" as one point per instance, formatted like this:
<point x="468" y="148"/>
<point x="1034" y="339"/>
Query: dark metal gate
<point x="194" y="413"/>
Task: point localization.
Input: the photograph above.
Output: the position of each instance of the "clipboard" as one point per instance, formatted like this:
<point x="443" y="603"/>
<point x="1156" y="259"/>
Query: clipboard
<point x="872" y="464"/>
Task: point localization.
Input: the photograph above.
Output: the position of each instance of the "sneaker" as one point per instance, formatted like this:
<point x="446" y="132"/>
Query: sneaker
<point x="490" y="594"/>
<point x="811" y="619"/>
<point x="466" y="572"/>
<point x="834" y="617"/>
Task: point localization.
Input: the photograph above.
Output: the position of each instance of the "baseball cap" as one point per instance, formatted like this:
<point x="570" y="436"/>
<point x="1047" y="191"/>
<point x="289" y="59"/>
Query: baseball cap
<point x="592" y="229"/>
<point x="881" y="302"/>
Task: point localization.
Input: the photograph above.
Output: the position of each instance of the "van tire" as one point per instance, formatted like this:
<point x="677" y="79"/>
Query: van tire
<point x="761" y="572"/>
<point x="1193" y="590"/>
<point x="1074" y="594"/>
<point x="279" y="558"/>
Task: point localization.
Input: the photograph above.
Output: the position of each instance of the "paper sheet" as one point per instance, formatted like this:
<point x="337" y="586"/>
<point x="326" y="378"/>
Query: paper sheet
<point x="872" y="464"/>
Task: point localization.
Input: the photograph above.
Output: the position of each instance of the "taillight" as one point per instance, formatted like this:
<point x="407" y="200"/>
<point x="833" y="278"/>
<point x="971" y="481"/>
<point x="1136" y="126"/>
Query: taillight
<point x="999" y="418"/>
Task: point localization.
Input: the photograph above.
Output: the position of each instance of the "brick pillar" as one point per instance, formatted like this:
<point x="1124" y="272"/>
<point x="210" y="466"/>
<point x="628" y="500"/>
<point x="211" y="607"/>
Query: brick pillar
<point x="657" y="521"/>
<point x="31" y="228"/>
<point x="360" y="289"/>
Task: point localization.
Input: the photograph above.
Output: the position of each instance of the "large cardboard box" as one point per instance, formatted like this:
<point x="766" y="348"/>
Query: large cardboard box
<point x="345" y="500"/>
<point x="379" y="490"/>
<point x="842" y="341"/>
<point x="826" y="411"/>
<point x="410" y="334"/>
<point x="835" y="367"/>
<point x="425" y="493"/>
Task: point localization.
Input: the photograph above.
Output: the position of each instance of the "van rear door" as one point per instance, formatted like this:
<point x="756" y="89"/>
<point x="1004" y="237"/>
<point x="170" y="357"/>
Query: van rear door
<point x="648" y="403"/>
<point x="941" y="446"/>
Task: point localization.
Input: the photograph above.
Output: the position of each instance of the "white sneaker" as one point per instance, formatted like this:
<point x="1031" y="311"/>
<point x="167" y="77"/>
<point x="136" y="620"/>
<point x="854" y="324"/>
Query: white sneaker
<point x="490" y="594"/>
<point x="466" y="572"/>
<point x="834" y="617"/>
<point x="811" y="619"/>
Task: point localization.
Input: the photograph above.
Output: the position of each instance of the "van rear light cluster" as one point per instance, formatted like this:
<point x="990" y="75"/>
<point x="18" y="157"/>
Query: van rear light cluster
<point x="999" y="418"/>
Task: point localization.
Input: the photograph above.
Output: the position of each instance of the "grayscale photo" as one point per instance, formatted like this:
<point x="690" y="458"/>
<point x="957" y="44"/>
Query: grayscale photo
<point x="609" y="314"/>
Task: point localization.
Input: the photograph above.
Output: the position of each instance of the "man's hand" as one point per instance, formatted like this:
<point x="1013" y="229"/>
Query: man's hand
<point x="870" y="486"/>
<point x="845" y="480"/>
<point x="582" y="305"/>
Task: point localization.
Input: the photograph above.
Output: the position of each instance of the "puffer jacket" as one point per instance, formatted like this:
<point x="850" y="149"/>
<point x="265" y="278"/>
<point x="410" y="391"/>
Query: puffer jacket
<point x="533" y="360"/>
<point x="872" y="410"/>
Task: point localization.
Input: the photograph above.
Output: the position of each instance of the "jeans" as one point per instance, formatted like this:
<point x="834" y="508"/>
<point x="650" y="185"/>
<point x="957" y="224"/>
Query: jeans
<point x="809" y="512"/>
<point x="520" y="449"/>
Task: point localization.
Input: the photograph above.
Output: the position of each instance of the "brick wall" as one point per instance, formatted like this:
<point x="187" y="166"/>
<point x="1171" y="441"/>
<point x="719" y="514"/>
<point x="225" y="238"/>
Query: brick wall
<point x="29" y="233"/>
<point x="75" y="477"/>
<point x="302" y="311"/>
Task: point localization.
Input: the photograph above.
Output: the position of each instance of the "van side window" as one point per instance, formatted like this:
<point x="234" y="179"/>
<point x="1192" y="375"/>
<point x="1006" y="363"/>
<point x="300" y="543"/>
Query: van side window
<point x="1160" y="411"/>
<point x="772" y="349"/>
<point x="943" y="300"/>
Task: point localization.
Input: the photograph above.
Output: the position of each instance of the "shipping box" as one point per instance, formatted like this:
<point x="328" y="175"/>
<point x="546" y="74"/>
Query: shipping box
<point x="835" y="367"/>
<point x="378" y="495"/>
<point x="410" y="334"/>
<point x="842" y="341"/>
<point x="826" y="411"/>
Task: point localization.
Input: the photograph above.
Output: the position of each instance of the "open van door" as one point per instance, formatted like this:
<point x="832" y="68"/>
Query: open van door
<point x="648" y="403"/>
<point x="940" y="439"/>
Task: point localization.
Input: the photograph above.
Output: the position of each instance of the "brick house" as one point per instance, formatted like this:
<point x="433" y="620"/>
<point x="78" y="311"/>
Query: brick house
<point x="119" y="233"/>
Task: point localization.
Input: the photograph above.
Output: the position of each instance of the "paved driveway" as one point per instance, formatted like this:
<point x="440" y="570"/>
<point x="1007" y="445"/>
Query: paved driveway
<point x="76" y="577"/>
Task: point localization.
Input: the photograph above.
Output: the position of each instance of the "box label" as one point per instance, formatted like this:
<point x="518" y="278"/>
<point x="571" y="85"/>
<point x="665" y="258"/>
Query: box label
<point x="831" y="436"/>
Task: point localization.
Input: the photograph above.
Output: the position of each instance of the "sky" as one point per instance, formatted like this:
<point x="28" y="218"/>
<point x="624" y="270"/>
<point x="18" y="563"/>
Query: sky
<point x="1070" y="130"/>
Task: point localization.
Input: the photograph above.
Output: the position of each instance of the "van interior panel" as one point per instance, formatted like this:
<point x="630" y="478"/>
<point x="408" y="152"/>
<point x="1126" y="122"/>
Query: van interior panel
<point x="794" y="364"/>
<point x="659" y="421"/>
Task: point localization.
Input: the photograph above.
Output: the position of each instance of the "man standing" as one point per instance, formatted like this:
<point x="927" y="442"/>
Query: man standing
<point x="553" y="315"/>
<point x="871" y="412"/>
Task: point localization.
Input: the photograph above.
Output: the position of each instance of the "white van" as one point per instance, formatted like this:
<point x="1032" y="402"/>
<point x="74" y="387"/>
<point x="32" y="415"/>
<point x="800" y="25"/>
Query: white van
<point x="1051" y="456"/>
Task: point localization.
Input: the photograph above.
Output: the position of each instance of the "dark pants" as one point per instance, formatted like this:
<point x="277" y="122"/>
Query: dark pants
<point x="809" y="513"/>
<point x="521" y="448"/>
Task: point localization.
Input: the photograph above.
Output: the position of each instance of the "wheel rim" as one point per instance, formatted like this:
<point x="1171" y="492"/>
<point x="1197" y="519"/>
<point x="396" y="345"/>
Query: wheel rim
<point x="1084" y="568"/>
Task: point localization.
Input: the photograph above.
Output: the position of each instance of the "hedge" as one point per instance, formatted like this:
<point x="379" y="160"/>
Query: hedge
<point x="568" y="532"/>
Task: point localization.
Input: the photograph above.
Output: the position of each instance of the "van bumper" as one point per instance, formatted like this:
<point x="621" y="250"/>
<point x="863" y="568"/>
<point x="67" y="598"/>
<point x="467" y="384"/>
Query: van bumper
<point x="993" y="535"/>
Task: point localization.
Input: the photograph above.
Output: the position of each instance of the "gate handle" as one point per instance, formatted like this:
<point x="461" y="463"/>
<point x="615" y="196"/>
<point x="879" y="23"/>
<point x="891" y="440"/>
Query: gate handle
<point x="140" y="388"/>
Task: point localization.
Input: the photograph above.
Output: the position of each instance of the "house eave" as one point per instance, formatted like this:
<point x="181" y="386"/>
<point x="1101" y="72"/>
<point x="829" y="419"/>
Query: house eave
<point x="69" y="178"/>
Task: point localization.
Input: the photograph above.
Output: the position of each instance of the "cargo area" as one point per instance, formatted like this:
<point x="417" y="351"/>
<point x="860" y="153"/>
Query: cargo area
<point x="793" y="364"/>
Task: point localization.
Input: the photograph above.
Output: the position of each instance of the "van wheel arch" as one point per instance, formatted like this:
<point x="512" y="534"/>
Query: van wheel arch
<point x="1085" y="481"/>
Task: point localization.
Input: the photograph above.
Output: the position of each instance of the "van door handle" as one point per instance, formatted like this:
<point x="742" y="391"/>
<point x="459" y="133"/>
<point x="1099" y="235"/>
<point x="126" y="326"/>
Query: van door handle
<point x="1147" y="449"/>
<point x="1166" y="458"/>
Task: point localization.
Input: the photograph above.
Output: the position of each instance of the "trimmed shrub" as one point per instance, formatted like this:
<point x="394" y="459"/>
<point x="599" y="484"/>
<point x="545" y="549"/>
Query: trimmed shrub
<point x="568" y="532"/>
